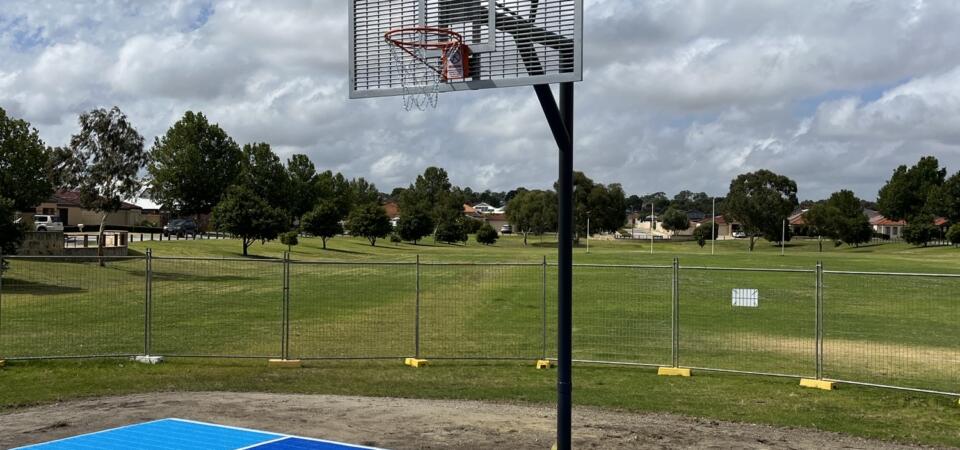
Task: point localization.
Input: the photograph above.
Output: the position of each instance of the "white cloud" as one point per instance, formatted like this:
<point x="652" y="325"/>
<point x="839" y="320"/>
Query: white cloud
<point x="678" y="94"/>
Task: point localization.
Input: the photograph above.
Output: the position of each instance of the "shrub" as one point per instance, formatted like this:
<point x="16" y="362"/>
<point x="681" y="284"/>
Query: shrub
<point x="953" y="234"/>
<point x="919" y="233"/>
<point x="290" y="239"/>
<point x="487" y="235"/>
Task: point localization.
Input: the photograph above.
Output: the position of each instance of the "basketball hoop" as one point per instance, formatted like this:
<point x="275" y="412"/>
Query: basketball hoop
<point x="426" y="57"/>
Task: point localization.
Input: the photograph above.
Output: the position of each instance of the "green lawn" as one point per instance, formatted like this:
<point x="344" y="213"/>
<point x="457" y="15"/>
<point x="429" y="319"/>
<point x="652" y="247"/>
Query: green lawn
<point x="355" y="301"/>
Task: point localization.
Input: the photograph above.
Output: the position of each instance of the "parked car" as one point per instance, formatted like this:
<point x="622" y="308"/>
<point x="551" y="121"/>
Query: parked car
<point x="180" y="228"/>
<point x="739" y="234"/>
<point x="506" y="229"/>
<point x="43" y="222"/>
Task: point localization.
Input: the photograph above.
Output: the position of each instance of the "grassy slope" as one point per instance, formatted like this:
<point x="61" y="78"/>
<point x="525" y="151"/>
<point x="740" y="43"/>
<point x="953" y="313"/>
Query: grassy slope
<point x="358" y="315"/>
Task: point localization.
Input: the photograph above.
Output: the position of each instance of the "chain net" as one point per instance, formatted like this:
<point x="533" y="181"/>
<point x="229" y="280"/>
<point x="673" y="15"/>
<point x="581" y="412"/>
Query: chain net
<point x="421" y="69"/>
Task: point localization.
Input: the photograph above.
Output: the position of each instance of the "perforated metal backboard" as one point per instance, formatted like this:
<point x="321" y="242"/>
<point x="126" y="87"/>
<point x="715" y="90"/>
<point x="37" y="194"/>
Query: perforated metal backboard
<point x="512" y="42"/>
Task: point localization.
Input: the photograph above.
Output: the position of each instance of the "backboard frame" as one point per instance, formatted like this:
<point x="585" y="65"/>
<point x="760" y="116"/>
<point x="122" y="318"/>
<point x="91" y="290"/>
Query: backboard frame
<point x="574" y="75"/>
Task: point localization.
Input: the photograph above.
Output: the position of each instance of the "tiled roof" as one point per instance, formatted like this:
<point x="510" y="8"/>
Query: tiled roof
<point x="68" y="199"/>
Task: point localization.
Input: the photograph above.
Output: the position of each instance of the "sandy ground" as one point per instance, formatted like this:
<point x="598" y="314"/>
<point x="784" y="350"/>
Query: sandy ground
<point x="411" y="424"/>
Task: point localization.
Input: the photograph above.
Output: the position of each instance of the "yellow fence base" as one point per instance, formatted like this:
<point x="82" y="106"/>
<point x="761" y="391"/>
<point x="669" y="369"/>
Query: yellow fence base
<point x="294" y="363"/>
<point x="673" y="372"/>
<point x="544" y="364"/>
<point x="816" y="384"/>
<point x="414" y="362"/>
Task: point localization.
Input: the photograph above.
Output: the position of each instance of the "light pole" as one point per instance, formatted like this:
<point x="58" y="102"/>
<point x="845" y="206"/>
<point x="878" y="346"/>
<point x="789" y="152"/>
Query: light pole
<point x="783" y="236"/>
<point x="713" y="227"/>
<point x="588" y="232"/>
<point x="653" y="220"/>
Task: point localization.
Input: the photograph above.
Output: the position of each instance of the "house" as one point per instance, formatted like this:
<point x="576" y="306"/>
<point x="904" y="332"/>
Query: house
<point x="483" y="208"/>
<point x="892" y="228"/>
<point x="725" y="229"/>
<point x="66" y="204"/>
<point x="393" y="212"/>
<point x="496" y="220"/>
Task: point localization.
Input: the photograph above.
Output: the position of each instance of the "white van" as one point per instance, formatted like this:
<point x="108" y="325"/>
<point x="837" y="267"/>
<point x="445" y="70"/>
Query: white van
<point x="47" y="223"/>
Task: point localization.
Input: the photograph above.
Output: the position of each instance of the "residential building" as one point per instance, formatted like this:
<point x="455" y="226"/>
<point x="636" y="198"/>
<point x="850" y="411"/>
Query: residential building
<point x="66" y="204"/>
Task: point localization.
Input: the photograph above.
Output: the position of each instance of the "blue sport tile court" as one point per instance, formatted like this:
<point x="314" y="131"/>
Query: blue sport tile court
<point x="180" y="434"/>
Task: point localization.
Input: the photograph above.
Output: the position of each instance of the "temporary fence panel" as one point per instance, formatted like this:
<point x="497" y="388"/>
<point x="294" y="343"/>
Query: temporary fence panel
<point x="217" y="307"/>
<point x="480" y="311"/>
<point x="889" y="329"/>
<point x="351" y="310"/>
<point x="748" y="320"/>
<point x="621" y="314"/>
<point x="71" y="307"/>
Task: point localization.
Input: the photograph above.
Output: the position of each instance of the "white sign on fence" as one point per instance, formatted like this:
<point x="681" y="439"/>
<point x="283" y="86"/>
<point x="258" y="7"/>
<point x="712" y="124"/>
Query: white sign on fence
<point x="746" y="297"/>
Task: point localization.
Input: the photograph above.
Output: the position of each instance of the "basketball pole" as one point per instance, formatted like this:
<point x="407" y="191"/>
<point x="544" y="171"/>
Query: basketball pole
<point x="561" y="125"/>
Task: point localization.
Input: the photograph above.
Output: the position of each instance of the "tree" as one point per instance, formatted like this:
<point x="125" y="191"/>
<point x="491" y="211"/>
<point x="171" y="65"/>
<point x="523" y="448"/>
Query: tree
<point x="946" y="201"/>
<point x="415" y="224"/>
<point x="840" y="218"/>
<point x="760" y="201"/>
<point x="432" y="190"/>
<point x="290" y="239"/>
<point x="605" y="205"/>
<point x="11" y="232"/>
<point x="369" y="221"/>
<point x="705" y="231"/>
<point x="920" y="231"/>
<point x="533" y="212"/>
<point x="953" y="234"/>
<point x="363" y="191"/>
<point x="675" y="220"/>
<point x="192" y="165"/>
<point x="905" y="195"/>
<point x="323" y="221"/>
<point x="107" y="156"/>
<point x="245" y="214"/>
<point x="336" y="189"/>
<point x="262" y="172"/>
<point x="487" y="235"/>
<point x="303" y="189"/>
<point x="24" y="164"/>
<point x="451" y="231"/>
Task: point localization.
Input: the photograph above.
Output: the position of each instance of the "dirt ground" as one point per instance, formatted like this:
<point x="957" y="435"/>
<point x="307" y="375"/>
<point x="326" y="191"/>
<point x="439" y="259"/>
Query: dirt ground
<point x="411" y="424"/>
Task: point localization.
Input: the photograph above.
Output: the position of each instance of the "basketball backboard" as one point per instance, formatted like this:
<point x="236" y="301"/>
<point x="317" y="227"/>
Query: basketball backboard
<point x="511" y="42"/>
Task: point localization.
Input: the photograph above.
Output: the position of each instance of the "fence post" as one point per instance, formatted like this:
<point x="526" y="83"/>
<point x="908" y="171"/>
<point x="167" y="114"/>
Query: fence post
<point x="543" y="312"/>
<point x="285" y="331"/>
<point x="416" y="326"/>
<point x="819" y="327"/>
<point x="148" y="306"/>
<point x="675" y="324"/>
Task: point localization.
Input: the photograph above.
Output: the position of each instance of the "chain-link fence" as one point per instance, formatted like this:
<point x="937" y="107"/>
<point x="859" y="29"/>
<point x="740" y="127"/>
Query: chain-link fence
<point x="884" y="329"/>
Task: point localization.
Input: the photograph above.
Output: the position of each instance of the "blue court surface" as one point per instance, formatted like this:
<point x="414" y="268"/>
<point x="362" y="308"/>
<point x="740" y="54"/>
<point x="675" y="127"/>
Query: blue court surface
<point x="180" y="434"/>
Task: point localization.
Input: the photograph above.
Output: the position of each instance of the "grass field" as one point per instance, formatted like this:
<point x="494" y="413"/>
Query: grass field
<point x="344" y="303"/>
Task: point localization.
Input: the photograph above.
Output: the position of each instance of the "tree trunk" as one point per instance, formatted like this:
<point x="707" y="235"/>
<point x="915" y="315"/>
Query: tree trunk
<point x="752" y="240"/>
<point x="820" y="243"/>
<point x="524" y="238"/>
<point x="373" y="241"/>
<point x="245" y="245"/>
<point x="101" y="240"/>
<point x="324" y="240"/>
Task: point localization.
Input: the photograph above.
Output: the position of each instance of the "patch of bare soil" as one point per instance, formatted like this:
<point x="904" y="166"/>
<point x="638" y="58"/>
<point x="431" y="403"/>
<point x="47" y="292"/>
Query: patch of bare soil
<point x="410" y="423"/>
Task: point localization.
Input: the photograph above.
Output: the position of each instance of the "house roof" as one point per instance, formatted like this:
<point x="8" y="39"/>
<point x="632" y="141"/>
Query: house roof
<point x="496" y="216"/>
<point x="467" y="209"/>
<point x="69" y="199"/>
<point x="392" y="209"/>
<point x="880" y="220"/>
<point x="797" y="218"/>
<point x="941" y="221"/>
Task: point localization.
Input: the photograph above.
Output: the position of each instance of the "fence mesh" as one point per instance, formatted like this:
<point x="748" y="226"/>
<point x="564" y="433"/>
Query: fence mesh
<point x="777" y="336"/>
<point x="898" y="330"/>
<point x="217" y="307"/>
<point x="355" y="310"/>
<point x="481" y="311"/>
<point x="620" y="314"/>
<point x="892" y="329"/>
<point x="63" y="307"/>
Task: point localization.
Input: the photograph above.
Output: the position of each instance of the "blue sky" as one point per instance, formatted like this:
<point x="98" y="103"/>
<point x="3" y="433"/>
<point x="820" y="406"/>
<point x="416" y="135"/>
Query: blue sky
<point x="676" y="95"/>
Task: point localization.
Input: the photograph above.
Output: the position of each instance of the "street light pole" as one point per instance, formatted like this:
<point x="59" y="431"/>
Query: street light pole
<point x="783" y="236"/>
<point x="713" y="227"/>
<point x="588" y="232"/>
<point x="653" y="220"/>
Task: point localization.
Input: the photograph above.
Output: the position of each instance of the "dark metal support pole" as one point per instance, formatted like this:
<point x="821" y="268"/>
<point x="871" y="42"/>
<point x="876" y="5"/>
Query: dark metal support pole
<point x="565" y="287"/>
<point x="561" y="125"/>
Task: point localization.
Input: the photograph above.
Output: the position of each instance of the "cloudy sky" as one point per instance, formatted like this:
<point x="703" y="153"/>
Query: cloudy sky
<point x="681" y="94"/>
